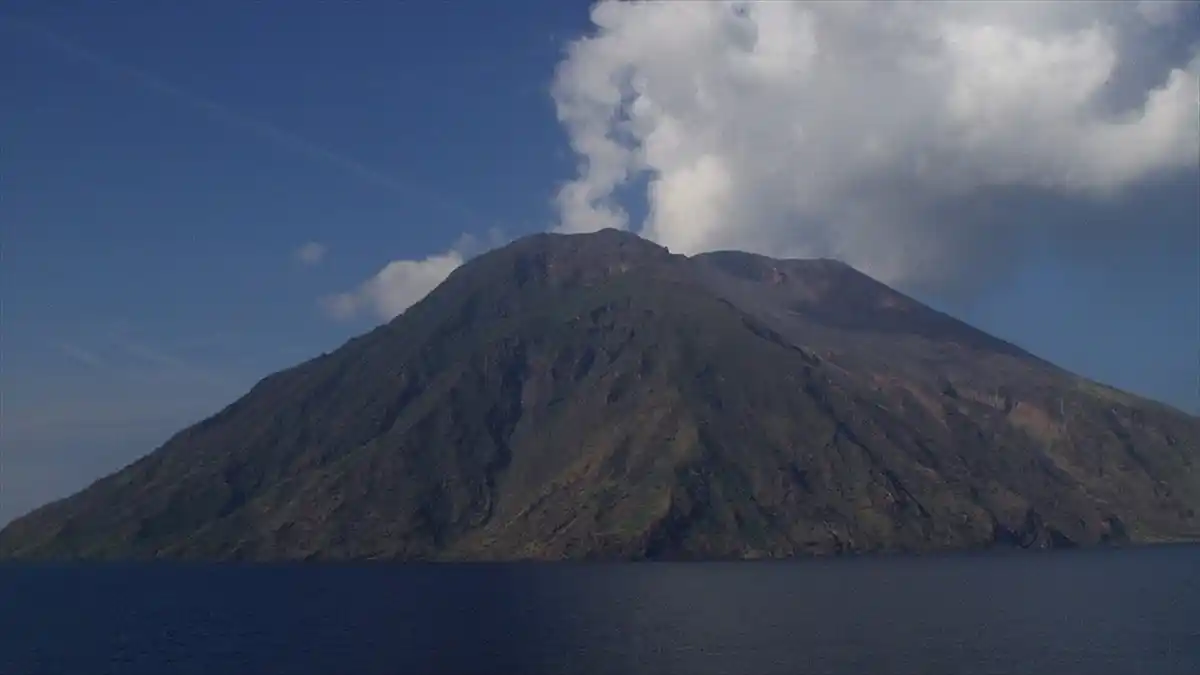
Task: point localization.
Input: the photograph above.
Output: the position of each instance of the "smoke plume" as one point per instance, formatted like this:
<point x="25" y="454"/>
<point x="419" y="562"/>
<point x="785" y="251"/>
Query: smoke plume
<point x="907" y="138"/>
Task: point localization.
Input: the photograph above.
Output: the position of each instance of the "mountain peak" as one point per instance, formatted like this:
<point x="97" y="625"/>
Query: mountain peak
<point x="595" y="396"/>
<point x="579" y="258"/>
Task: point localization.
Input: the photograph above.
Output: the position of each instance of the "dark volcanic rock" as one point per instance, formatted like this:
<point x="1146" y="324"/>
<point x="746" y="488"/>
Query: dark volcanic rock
<point x="593" y="396"/>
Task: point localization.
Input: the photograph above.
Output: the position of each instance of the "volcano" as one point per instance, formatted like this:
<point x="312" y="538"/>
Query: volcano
<point x="597" y="397"/>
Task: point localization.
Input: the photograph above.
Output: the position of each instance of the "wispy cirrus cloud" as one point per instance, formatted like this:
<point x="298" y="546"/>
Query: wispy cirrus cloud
<point x="83" y="356"/>
<point x="118" y="352"/>
<point x="232" y="117"/>
<point x="394" y="287"/>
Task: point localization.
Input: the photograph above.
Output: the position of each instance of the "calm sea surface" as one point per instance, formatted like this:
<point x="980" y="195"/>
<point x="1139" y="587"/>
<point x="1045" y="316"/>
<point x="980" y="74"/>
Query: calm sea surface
<point x="1085" y="613"/>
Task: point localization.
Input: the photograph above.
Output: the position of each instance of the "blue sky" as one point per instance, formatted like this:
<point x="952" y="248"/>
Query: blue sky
<point x="166" y="161"/>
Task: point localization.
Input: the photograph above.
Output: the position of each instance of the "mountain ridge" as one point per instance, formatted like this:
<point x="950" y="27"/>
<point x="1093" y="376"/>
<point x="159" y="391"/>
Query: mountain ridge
<point x="595" y="396"/>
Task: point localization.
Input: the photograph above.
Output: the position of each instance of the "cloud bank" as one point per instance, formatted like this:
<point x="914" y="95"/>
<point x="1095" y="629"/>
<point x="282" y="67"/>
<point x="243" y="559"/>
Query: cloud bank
<point x="891" y="135"/>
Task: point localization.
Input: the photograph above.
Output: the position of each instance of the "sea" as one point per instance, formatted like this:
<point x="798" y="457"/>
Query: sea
<point x="1087" y="612"/>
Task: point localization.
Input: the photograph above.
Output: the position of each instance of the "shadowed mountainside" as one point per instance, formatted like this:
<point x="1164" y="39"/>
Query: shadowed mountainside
<point x="594" y="396"/>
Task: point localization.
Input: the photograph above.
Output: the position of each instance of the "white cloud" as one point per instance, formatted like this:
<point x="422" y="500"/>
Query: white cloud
<point x="311" y="253"/>
<point x="880" y="133"/>
<point x="396" y="287"/>
<point x="402" y="283"/>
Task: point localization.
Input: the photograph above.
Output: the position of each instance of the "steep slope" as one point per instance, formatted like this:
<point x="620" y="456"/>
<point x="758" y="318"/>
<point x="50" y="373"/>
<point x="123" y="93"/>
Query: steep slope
<point x="595" y="396"/>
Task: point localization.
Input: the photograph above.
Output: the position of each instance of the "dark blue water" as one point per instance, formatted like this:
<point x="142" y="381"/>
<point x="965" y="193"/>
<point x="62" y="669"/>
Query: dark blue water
<point x="1085" y="613"/>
